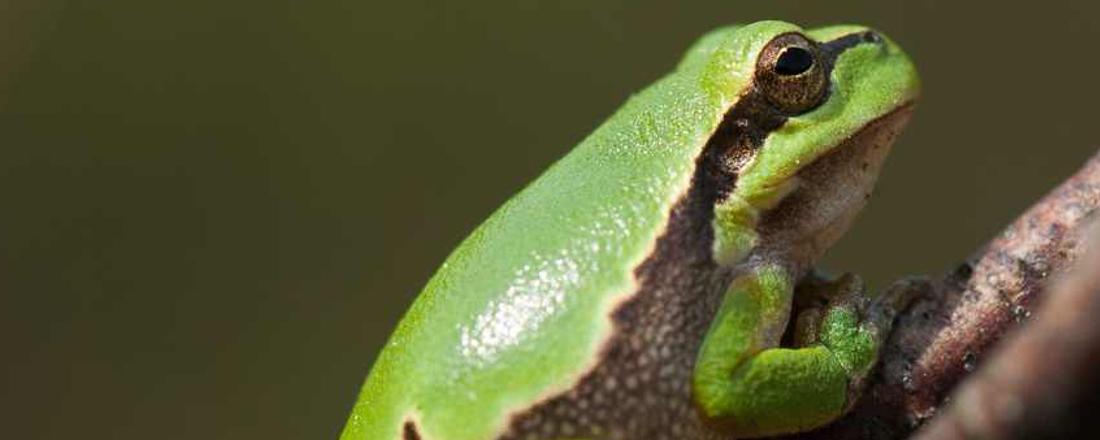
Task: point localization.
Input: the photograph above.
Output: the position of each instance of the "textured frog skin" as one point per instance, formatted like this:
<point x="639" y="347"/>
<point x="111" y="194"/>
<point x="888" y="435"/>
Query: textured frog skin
<point x="612" y="243"/>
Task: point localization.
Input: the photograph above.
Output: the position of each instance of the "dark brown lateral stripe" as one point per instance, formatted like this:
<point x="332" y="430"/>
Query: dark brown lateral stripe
<point x="410" y="432"/>
<point x="641" y="387"/>
<point x="835" y="46"/>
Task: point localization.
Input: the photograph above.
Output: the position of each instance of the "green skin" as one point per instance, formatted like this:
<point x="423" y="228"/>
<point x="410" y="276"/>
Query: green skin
<point x="519" y="310"/>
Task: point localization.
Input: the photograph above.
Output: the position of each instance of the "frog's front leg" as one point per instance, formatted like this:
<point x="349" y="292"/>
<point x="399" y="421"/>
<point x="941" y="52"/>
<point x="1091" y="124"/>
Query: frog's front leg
<point x="745" y="384"/>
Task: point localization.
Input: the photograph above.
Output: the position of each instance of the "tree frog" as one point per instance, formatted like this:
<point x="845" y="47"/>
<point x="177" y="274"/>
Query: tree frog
<point x="644" y="286"/>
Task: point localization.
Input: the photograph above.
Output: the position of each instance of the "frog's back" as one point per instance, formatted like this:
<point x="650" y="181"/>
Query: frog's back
<point x="518" y="311"/>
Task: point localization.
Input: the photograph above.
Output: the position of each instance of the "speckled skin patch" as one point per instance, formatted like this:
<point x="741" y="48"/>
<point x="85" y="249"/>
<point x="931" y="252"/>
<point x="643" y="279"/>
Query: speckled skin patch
<point x="641" y="387"/>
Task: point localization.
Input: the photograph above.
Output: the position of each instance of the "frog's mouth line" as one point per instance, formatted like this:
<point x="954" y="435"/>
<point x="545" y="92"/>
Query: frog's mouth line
<point x="746" y="126"/>
<point x="744" y="131"/>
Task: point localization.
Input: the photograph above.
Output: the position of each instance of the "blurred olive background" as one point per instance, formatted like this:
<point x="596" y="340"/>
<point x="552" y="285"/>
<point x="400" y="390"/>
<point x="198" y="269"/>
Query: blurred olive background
<point x="214" y="212"/>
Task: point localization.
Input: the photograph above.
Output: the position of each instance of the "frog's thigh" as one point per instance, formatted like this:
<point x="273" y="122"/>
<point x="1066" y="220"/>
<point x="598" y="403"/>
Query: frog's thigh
<point x="745" y="384"/>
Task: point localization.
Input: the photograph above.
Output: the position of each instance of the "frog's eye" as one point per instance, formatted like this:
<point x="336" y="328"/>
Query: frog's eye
<point x="791" y="73"/>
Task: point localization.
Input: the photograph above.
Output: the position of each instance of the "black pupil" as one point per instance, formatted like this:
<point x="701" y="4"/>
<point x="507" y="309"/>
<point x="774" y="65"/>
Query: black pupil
<point x="794" y="61"/>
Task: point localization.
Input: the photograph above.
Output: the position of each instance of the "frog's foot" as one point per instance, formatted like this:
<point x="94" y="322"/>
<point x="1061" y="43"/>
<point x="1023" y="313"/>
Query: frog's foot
<point x="832" y="312"/>
<point x="751" y="380"/>
<point x="813" y="299"/>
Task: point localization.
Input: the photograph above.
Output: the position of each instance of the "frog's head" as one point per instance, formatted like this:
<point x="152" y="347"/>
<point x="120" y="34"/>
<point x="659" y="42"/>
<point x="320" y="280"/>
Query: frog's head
<point x="811" y="116"/>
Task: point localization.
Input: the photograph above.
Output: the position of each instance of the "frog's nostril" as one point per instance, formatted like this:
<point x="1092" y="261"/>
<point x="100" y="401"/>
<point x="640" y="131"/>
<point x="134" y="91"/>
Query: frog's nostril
<point x="873" y="37"/>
